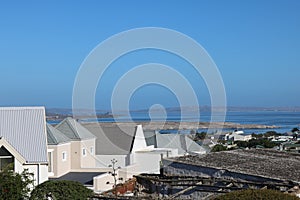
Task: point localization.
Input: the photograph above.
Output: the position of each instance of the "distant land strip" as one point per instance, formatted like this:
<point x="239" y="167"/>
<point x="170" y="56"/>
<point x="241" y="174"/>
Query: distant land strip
<point x="157" y="125"/>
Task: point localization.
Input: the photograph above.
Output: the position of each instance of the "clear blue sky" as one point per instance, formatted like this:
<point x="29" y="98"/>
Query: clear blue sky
<point x="255" y="44"/>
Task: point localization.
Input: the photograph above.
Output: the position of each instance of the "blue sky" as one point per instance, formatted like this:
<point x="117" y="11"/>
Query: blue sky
<point x="255" y="44"/>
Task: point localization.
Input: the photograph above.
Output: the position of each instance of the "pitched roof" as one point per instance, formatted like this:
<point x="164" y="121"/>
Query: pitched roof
<point x="54" y="136"/>
<point x="74" y="130"/>
<point x="24" y="128"/>
<point x="182" y="142"/>
<point x="115" y="140"/>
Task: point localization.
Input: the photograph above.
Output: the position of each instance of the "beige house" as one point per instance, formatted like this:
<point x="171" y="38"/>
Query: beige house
<point x="71" y="148"/>
<point x="23" y="141"/>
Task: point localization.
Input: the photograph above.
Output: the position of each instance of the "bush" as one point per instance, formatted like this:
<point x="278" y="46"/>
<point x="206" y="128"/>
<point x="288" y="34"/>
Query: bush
<point x="14" y="185"/>
<point x="218" y="147"/>
<point x="64" y="190"/>
<point x="252" y="194"/>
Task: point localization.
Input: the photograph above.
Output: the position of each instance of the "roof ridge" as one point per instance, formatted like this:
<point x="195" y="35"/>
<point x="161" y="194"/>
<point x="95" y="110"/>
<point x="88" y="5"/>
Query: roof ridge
<point x="51" y="135"/>
<point x="22" y="108"/>
<point x="69" y="122"/>
<point x="56" y="135"/>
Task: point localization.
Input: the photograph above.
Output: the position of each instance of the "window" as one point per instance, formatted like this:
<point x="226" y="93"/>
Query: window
<point x="84" y="152"/>
<point x="50" y="159"/>
<point x="92" y="150"/>
<point x="5" y="158"/>
<point x="64" y="156"/>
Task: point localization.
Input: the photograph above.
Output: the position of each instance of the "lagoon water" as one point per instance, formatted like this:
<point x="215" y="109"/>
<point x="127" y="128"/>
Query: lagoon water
<point x="285" y="120"/>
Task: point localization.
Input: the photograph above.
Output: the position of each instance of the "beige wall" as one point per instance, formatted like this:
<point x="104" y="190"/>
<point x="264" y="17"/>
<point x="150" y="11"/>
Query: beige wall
<point x="60" y="166"/>
<point x="75" y="154"/>
<point x="75" y="160"/>
<point x="89" y="159"/>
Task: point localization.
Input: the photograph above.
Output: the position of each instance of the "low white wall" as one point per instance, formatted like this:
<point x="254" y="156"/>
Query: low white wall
<point x="128" y="172"/>
<point x="103" y="182"/>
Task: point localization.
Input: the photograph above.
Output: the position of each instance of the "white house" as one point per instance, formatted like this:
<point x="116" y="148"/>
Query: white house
<point x="23" y="140"/>
<point x="238" y="136"/>
<point x="86" y="148"/>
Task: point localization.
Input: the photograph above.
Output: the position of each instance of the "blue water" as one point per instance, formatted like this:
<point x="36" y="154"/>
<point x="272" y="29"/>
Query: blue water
<point x="285" y="120"/>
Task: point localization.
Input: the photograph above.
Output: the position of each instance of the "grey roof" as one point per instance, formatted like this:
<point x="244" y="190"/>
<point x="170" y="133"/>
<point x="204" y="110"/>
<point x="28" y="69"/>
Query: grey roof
<point x="54" y="136"/>
<point x="85" y="178"/>
<point x="74" y="130"/>
<point x="259" y="162"/>
<point x="25" y="129"/>
<point x="182" y="142"/>
<point x="112" y="140"/>
<point x="150" y="137"/>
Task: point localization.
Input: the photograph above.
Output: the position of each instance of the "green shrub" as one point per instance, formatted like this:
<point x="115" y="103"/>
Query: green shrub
<point x="218" y="147"/>
<point x="14" y="185"/>
<point x="61" y="190"/>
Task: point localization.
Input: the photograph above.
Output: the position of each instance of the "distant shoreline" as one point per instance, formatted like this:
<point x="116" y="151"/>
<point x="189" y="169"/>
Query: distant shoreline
<point x="157" y="125"/>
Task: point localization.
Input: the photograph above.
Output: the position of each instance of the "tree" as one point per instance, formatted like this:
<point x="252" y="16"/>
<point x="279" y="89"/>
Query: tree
<point x="295" y="130"/>
<point x="200" y="136"/>
<point x="61" y="190"/>
<point x="218" y="147"/>
<point x="271" y="133"/>
<point x="242" y="144"/>
<point x="14" y="185"/>
<point x="251" y="194"/>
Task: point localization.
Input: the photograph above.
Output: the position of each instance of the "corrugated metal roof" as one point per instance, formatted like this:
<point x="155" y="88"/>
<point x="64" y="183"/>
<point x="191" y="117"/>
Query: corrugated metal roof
<point x="25" y="129"/>
<point x="54" y="136"/>
<point x="74" y="130"/>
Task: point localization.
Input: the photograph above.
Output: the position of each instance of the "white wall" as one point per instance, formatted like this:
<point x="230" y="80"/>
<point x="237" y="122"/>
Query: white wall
<point x="147" y="162"/>
<point x="128" y="172"/>
<point x="40" y="172"/>
<point x="43" y="173"/>
<point x="102" y="161"/>
<point x="18" y="166"/>
<point x="100" y="182"/>
<point x="139" y="139"/>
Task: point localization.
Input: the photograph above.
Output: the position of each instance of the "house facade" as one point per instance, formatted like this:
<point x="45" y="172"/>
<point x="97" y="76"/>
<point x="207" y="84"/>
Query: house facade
<point x="23" y="141"/>
<point x="71" y="148"/>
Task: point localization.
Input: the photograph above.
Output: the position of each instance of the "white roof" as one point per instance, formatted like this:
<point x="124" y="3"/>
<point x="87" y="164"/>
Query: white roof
<point x="24" y="128"/>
